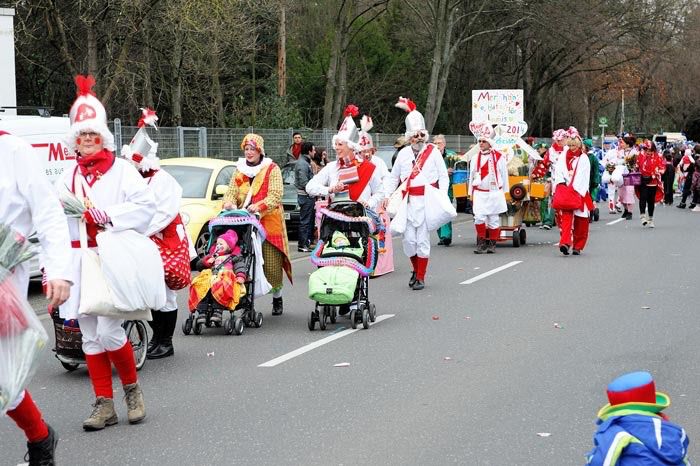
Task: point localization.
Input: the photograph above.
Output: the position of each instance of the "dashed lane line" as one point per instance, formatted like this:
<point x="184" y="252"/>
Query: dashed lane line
<point x="490" y="272"/>
<point x="323" y="341"/>
<point x="615" y="221"/>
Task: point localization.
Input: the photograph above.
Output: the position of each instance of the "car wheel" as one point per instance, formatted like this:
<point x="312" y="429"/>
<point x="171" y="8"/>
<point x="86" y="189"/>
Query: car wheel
<point x="202" y="241"/>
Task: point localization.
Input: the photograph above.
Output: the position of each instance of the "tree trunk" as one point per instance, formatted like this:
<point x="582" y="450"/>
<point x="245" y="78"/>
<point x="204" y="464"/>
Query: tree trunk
<point x="92" y="49"/>
<point x="442" y="29"/>
<point x="282" y="55"/>
<point x="176" y="91"/>
<point x="147" y="78"/>
<point x="331" y="78"/>
<point x="217" y="94"/>
<point x="342" y="90"/>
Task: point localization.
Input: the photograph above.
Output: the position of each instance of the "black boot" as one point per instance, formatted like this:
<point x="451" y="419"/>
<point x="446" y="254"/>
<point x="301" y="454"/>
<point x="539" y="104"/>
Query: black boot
<point x="277" y="306"/>
<point x="167" y="328"/>
<point x="156" y="325"/>
<point x="42" y="453"/>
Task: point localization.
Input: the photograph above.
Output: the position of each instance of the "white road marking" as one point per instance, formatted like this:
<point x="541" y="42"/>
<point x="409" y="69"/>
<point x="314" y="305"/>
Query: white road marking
<point x="490" y="272"/>
<point x="615" y="221"/>
<point x="311" y="346"/>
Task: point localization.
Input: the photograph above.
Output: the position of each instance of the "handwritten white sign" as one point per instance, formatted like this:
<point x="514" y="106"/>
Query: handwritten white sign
<point x="498" y="105"/>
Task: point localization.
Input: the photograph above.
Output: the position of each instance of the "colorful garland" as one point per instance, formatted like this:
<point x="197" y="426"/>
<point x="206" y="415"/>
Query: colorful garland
<point x="238" y="217"/>
<point x="346" y="218"/>
<point x="364" y="270"/>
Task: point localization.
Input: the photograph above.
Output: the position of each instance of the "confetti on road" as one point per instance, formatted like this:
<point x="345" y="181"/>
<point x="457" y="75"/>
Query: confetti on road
<point x="543" y="434"/>
<point x="467" y="318"/>
<point x="210" y="355"/>
<point x="646" y="307"/>
<point x="447" y="358"/>
<point x="342" y="364"/>
<point x="460" y="268"/>
<point x="436" y="317"/>
<point x="477" y="268"/>
<point x="557" y="325"/>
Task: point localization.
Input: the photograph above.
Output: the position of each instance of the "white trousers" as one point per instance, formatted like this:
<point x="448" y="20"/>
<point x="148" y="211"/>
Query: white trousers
<point x="101" y="334"/>
<point x="17" y="401"/>
<point x="416" y="240"/>
<point x="491" y="221"/>
<point x="170" y="301"/>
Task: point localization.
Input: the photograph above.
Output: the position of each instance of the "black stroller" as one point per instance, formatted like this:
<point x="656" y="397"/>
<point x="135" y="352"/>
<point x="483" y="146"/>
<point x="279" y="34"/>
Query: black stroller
<point x="352" y="220"/>
<point x="248" y="229"/>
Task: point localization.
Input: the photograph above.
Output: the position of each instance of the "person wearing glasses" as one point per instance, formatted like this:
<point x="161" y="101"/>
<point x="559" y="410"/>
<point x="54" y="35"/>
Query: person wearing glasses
<point x="419" y="165"/>
<point x="651" y="166"/>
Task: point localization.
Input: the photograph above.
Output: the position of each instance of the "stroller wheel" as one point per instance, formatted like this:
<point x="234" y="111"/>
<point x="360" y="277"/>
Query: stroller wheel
<point x="69" y="367"/>
<point x="322" y="316"/>
<point x="228" y="326"/>
<point x="332" y="312"/>
<point x="596" y="214"/>
<point x="258" y="320"/>
<point x="198" y="329"/>
<point x="353" y="322"/>
<point x="311" y="321"/>
<point x="187" y="325"/>
<point x="372" y="312"/>
<point x="365" y="318"/>
<point x="238" y="326"/>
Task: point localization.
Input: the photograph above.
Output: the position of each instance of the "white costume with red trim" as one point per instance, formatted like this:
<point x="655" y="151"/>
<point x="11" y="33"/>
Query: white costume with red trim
<point x="488" y="182"/>
<point x="124" y="195"/>
<point x="30" y="203"/>
<point x="416" y="238"/>
<point x="372" y="194"/>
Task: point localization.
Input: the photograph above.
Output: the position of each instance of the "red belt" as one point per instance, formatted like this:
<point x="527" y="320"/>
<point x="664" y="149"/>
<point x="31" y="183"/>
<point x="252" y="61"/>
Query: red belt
<point x="76" y="244"/>
<point x="484" y="190"/>
<point x="419" y="190"/>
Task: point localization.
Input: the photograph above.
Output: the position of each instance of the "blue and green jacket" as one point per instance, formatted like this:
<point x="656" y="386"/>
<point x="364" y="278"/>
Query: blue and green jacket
<point x="638" y="438"/>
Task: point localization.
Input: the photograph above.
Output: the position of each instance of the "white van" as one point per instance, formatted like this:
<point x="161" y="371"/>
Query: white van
<point x="45" y="134"/>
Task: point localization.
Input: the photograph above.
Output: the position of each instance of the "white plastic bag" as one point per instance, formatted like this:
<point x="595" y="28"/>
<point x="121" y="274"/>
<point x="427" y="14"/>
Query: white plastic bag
<point x="398" y="223"/>
<point x="396" y="199"/>
<point x="133" y="270"/>
<point x="441" y="209"/>
<point x="22" y="337"/>
<point x="262" y="286"/>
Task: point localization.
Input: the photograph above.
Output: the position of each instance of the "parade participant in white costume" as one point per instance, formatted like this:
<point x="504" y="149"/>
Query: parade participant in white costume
<point x="119" y="197"/>
<point x="166" y="229"/>
<point x="349" y="172"/>
<point x="29" y="204"/>
<point x="615" y="168"/>
<point x="385" y="258"/>
<point x="574" y="169"/>
<point x="488" y="183"/>
<point x="420" y="166"/>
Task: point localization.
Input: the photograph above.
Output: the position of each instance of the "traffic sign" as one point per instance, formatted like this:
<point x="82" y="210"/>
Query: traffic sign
<point x="603" y="120"/>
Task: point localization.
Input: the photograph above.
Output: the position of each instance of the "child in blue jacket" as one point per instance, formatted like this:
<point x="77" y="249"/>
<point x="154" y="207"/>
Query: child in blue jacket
<point x="632" y="430"/>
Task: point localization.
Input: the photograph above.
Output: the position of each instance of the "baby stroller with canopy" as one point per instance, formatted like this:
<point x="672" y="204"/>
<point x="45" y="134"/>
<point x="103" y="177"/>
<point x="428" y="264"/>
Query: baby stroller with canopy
<point x="250" y="234"/>
<point x="346" y="255"/>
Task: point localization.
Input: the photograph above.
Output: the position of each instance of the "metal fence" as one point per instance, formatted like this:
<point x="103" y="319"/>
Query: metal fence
<point x="224" y="143"/>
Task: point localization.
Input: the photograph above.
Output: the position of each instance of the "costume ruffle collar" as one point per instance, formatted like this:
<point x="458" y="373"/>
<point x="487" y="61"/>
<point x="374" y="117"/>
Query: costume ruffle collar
<point x="249" y="171"/>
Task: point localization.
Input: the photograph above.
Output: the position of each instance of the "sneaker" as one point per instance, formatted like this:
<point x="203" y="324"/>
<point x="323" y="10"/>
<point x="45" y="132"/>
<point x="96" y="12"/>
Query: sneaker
<point x="277" y="306"/>
<point x="491" y="246"/>
<point x="481" y="245"/>
<point x="418" y="285"/>
<point x="576" y="252"/>
<point x="681" y="205"/>
<point x="564" y="249"/>
<point x="546" y="227"/>
<point x="651" y="223"/>
<point x="412" y="280"/>
<point x="692" y="206"/>
<point x="41" y="453"/>
<point x="645" y="220"/>
<point x="304" y="249"/>
<point x="696" y="209"/>
<point x="103" y="415"/>
<point x="133" y="396"/>
<point x="441" y="242"/>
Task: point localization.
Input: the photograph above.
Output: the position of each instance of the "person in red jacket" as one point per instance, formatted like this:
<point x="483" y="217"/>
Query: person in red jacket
<point x="651" y="166"/>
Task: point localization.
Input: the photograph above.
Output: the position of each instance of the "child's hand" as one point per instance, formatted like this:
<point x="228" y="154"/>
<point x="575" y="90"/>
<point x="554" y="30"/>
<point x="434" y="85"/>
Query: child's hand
<point x="240" y="280"/>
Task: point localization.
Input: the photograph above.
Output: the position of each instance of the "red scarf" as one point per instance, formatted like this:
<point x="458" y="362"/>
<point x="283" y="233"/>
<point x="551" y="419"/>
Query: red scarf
<point x="96" y="165"/>
<point x="296" y="150"/>
<point x="571" y="155"/>
<point x="364" y="172"/>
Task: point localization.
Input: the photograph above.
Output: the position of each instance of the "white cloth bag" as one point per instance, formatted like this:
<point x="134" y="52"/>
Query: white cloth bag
<point x="396" y="199"/>
<point x="398" y="223"/>
<point x="262" y="286"/>
<point x="441" y="209"/>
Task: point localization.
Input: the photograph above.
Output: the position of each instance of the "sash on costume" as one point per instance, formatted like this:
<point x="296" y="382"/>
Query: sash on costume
<point x="365" y="171"/>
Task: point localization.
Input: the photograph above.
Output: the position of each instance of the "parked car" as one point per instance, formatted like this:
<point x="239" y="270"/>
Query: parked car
<point x="289" y="199"/>
<point x="204" y="182"/>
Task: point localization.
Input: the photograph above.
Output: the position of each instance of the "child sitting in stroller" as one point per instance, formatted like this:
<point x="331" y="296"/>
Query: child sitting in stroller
<point x="224" y="274"/>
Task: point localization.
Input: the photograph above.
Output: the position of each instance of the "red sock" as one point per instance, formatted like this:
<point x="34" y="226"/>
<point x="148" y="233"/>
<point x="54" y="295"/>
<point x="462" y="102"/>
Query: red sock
<point x="494" y="233"/>
<point x="123" y="360"/>
<point x="100" y="371"/>
<point x="480" y="230"/>
<point x="422" y="263"/>
<point x="28" y="418"/>
<point x="414" y="262"/>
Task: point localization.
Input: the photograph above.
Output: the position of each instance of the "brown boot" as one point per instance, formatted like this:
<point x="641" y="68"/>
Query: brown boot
<point x="491" y="246"/>
<point x="103" y="415"/>
<point x="481" y="244"/>
<point x="136" y="410"/>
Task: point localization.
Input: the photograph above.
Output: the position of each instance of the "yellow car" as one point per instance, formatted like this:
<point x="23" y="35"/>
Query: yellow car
<point x="204" y="182"/>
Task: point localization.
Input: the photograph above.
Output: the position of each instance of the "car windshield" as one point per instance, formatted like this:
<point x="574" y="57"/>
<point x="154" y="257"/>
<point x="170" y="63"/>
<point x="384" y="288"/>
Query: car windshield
<point x="194" y="180"/>
<point x="288" y="174"/>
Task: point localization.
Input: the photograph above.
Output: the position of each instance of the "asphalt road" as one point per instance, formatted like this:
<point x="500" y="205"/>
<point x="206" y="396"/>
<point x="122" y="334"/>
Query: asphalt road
<point x="525" y="351"/>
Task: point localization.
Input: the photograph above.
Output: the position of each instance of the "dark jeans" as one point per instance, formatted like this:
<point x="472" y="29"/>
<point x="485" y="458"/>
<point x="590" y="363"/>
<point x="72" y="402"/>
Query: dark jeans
<point x="668" y="177"/>
<point x="306" y="219"/>
<point x="647" y="196"/>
